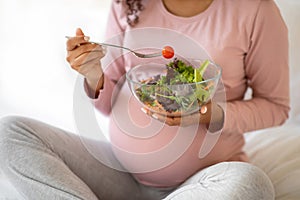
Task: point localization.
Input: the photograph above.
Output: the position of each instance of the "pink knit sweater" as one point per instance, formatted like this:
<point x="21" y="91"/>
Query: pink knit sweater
<point x="249" y="40"/>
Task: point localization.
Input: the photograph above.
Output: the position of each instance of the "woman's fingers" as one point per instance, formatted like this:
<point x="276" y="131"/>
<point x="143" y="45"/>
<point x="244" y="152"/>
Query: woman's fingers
<point x="84" y="50"/>
<point x="185" y="120"/>
<point x="74" y="42"/>
<point x="79" y="32"/>
<point x="86" y="58"/>
<point x="79" y="39"/>
<point x="191" y="119"/>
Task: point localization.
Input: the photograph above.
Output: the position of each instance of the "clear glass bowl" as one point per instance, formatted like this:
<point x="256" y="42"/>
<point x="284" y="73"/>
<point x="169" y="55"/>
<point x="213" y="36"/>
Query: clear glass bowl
<point x="168" y="97"/>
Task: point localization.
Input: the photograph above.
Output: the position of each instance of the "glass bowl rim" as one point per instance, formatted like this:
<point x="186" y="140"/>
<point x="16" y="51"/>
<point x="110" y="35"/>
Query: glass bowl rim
<point x="217" y="77"/>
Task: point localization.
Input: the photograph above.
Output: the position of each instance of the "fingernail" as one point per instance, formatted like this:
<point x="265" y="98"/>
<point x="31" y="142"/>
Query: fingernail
<point x="155" y="116"/>
<point x="203" y="110"/>
<point x="86" y="38"/>
<point x="144" y="110"/>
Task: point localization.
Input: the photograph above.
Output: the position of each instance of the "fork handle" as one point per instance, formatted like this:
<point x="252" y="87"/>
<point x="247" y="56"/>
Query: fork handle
<point x="111" y="45"/>
<point x="106" y="44"/>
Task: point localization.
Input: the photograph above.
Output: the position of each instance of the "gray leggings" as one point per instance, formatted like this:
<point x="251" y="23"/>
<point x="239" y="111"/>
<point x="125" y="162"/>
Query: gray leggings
<point x="44" y="162"/>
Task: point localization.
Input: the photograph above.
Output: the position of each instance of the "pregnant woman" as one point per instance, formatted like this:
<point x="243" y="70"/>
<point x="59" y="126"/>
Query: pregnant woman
<point x="248" y="39"/>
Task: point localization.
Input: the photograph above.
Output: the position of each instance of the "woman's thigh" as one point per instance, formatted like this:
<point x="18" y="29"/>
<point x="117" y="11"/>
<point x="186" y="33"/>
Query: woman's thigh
<point x="40" y="159"/>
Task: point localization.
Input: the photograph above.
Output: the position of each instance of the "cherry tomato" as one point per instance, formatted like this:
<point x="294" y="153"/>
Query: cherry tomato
<point x="168" y="52"/>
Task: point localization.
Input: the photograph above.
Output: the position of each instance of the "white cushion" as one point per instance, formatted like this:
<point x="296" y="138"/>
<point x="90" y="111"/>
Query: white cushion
<point x="277" y="152"/>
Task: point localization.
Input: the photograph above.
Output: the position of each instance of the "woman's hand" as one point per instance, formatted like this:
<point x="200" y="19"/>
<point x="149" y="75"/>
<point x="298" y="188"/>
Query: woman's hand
<point x="84" y="57"/>
<point x="210" y="114"/>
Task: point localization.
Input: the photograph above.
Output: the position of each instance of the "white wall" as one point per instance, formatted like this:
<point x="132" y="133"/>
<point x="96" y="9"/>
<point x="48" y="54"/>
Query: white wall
<point x="35" y="79"/>
<point x="290" y="11"/>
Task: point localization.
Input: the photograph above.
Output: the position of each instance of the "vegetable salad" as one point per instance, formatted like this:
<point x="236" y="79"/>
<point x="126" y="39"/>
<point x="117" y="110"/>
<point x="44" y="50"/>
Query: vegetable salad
<point x="180" y="89"/>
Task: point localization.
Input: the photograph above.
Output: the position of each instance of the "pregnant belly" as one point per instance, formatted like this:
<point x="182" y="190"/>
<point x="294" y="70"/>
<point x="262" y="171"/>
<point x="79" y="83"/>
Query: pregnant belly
<point x="160" y="155"/>
<point x="163" y="158"/>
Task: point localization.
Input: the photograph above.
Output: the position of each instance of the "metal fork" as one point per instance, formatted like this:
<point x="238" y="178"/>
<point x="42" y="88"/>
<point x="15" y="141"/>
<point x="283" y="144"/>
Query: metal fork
<point x="140" y="55"/>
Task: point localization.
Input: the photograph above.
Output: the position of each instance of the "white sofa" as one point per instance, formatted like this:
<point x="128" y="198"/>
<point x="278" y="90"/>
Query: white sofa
<point x="275" y="150"/>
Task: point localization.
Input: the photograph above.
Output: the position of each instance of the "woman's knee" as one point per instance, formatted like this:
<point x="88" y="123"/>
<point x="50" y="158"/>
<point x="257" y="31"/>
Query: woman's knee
<point x="244" y="180"/>
<point x="250" y="181"/>
<point x="6" y="124"/>
<point x="9" y="123"/>
<point x="10" y="130"/>
<point x="227" y="180"/>
<point x="6" y="135"/>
